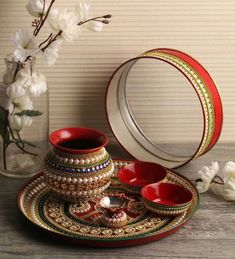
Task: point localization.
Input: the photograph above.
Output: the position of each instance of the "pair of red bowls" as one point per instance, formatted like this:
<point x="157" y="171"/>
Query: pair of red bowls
<point x="159" y="196"/>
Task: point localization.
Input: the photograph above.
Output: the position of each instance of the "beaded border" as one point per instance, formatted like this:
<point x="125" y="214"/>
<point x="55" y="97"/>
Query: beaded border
<point x="30" y="195"/>
<point x="202" y="90"/>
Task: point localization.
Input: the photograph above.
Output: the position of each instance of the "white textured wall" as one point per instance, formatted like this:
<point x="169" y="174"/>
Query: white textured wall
<point x="204" y="29"/>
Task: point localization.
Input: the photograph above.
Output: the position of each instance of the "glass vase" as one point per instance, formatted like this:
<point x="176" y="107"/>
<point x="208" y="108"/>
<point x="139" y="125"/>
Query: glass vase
<point x="23" y="137"/>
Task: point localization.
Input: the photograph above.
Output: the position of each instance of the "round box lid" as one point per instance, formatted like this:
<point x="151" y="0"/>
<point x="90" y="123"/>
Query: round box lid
<point x="140" y="137"/>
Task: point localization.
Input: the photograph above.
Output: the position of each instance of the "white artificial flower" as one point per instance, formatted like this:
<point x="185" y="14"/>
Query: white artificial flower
<point x="20" y="161"/>
<point x="65" y="21"/>
<point x="51" y="52"/>
<point x="27" y="69"/>
<point x="229" y="189"/>
<point x="217" y="188"/>
<point x="19" y="122"/>
<point x="229" y="181"/>
<point x="25" y="44"/>
<point x="16" y="90"/>
<point x="23" y="103"/>
<point x="34" y="84"/>
<point x="83" y="13"/>
<point x="207" y="175"/>
<point x="35" y="7"/>
<point x="38" y="84"/>
<point x="229" y="170"/>
<point x="18" y="96"/>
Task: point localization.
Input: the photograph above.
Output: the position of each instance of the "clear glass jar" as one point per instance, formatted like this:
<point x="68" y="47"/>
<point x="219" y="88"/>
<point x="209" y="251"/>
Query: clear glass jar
<point x="23" y="135"/>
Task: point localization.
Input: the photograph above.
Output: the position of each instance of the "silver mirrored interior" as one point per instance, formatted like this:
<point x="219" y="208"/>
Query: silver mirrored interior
<point x="160" y="109"/>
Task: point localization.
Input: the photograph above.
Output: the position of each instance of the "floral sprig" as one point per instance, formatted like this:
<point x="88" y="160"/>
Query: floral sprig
<point x="210" y="179"/>
<point x="21" y="81"/>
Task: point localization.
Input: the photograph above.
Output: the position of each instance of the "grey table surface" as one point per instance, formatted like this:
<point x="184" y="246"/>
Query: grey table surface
<point x="209" y="234"/>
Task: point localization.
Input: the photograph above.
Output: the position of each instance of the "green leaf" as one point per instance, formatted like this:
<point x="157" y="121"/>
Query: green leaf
<point x="30" y="113"/>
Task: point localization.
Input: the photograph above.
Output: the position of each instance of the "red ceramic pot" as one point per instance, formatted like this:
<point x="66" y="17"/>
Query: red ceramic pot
<point x="135" y="176"/>
<point x="78" y="140"/>
<point x="166" y="198"/>
<point x="78" y="167"/>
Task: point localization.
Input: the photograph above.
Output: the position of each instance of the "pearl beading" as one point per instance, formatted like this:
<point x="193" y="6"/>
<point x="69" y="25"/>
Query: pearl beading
<point x="201" y="89"/>
<point x="119" y="219"/>
<point x="79" y="180"/>
<point x="71" y="195"/>
<point x="78" y="158"/>
<point x="29" y="204"/>
<point x="84" y="169"/>
<point x="81" y="208"/>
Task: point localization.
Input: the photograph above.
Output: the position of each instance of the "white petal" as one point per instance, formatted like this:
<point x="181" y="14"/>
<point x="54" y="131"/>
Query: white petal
<point x="217" y="188"/>
<point x="20" y="54"/>
<point x="15" y="90"/>
<point x="229" y="169"/>
<point x="53" y="19"/>
<point x="25" y="44"/>
<point x="229" y="195"/>
<point x="26" y="121"/>
<point x="202" y="186"/>
<point x="15" y="122"/>
<point x="65" y="21"/>
<point x="35" y="7"/>
<point x="23" y="103"/>
<point x="38" y="85"/>
<point x="82" y="11"/>
<point x="94" y="26"/>
<point x="50" y="55"/>
<point x="206" y="175"/>
<point x="214" y="167"/>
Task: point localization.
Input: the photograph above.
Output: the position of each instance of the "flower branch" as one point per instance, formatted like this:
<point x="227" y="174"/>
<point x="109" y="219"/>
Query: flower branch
<point x="42" y="20"/>
<point x="47" y="39"/>
<point x="107" y="16"/>
<point x="21" y="81"/>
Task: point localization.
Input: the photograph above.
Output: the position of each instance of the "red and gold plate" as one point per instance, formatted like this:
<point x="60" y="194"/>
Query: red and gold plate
<point x="79" y="223"/>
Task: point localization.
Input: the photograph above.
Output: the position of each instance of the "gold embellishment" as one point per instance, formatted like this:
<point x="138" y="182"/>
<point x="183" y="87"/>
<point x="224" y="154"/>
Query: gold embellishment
<point x="144" y="224"/>
<point x="201" y="89"/>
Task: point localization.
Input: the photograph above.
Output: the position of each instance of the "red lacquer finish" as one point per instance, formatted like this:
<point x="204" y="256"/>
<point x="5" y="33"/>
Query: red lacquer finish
<point x="141" y="173"/>
<point x="95" y="138"/>
<point x="103" y="243"/>
<point x="218" y="109"/>
<point x="204" y="145"/>
<point x="166" y="194"/>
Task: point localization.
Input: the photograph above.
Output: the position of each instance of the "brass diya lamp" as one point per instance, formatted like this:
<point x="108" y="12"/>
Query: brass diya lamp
<point x="78" y="167"/>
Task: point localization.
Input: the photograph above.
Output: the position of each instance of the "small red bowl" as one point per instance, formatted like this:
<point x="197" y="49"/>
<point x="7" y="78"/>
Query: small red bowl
<point x="166" y="198"/>
<point x="138" y="174"/>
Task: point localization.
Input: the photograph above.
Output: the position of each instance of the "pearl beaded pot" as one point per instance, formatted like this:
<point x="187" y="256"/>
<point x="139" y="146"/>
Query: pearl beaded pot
<point x="78" y="174"/>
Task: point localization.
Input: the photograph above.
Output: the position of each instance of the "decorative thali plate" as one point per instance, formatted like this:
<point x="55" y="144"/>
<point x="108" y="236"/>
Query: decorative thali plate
<point x="80" y="222"/>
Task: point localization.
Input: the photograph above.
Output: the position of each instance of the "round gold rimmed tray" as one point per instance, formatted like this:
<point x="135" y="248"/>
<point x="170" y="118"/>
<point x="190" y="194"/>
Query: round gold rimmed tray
<point x="79" y="222"/>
